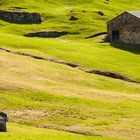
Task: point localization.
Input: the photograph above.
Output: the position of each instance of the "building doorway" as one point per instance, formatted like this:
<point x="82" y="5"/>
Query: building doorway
<point x="115" y="35"/>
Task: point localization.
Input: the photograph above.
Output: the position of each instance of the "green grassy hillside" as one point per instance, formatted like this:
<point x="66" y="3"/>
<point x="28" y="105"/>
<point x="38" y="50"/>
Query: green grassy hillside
<point x="17" y="132"/>
<point x="45" y="94"/>
<point x="74" y="48"/>
<point x="54" y="96"/>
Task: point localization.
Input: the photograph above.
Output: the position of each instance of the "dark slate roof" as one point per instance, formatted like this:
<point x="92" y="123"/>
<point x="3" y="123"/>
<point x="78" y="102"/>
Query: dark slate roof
<point x="135" y="13"/>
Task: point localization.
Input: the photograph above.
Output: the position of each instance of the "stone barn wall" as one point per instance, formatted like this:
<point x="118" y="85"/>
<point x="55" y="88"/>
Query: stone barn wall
<point x="128" y="26"/>
<point x="20" y="17"/>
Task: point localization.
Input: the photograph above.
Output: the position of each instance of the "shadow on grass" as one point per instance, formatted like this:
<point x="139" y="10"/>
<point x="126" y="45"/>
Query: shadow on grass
<point x="130" y="48"/>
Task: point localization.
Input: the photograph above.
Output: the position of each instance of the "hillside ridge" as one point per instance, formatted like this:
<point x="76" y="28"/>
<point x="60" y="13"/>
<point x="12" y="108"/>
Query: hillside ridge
<point x="91" y="71"/>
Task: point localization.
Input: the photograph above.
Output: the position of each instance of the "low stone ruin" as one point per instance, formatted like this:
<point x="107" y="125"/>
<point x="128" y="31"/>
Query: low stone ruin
<point x="45" y="34"/>
<point x="3" y="120"/>
<point x="20" y="17"/>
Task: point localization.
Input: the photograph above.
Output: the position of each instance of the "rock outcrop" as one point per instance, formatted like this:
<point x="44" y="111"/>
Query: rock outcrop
<point x="100" y="13"/>
<point x="20" y="17"/>
<point x="73" y="18"/>
<point x="45" y="34"/>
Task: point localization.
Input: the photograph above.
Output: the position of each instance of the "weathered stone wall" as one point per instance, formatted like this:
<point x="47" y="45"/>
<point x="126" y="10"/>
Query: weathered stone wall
<point x="128" y="26"/>
<point x="45" y="34"/>
<point x="20" y="17"/>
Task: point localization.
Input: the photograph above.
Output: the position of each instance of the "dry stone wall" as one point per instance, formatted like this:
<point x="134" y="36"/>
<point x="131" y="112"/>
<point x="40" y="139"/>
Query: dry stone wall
<point x="20" y="17"/>
<point x="45" y="34"/>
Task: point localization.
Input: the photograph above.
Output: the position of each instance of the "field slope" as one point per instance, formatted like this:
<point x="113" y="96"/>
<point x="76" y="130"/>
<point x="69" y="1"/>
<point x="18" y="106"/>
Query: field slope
<point x="51" y="95"/>
<point x="17" y="132"/>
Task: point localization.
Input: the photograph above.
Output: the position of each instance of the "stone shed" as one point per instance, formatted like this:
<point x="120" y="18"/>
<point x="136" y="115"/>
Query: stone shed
<point x="125" y="28"/>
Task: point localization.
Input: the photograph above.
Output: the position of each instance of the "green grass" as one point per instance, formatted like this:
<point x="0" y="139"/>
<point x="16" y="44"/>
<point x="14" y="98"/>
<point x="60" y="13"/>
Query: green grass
<point x="74" y="48"/>
<point x="54" y="96"/>
<point x="21" y="132"/>
<point x="49" y="95"/>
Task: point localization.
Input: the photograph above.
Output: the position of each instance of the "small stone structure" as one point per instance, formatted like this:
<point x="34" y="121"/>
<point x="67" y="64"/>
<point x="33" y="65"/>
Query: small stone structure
<point x="125" y="28"/>
<point x="20" y="17"/>
<point x="3" y="120"/>
<point x="45" y="34"/>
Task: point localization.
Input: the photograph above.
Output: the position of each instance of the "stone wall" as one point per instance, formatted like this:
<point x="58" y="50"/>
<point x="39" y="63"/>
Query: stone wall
<point x="47" y="34"/>
<point x="128" y="26"/>
<point x="20" y="17"/>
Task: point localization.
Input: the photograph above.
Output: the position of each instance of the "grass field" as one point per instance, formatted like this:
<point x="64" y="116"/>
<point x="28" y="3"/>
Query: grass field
<point x="44" y="94"/>
<point x="49" y="95"/>
<point x="17" y="132"/>
<point x="74" y="48"/>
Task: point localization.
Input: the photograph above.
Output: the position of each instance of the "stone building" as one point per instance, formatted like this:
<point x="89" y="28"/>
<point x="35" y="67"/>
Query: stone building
<point x="125" y="28"/>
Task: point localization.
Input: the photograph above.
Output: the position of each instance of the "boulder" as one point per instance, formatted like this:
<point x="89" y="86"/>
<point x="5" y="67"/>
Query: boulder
<point x="100" y="13"/>
<point x="73" y="18"/>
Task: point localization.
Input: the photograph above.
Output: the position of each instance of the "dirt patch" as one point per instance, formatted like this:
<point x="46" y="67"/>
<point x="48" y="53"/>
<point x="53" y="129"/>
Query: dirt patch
<point x="8" y="87"/>
<point x="28" y="114"/>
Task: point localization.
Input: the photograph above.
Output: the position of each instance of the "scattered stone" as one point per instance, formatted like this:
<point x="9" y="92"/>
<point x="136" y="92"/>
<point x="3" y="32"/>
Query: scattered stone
<point x="73" y="18"/>
<point x="100" y="13"/>
<point x="49" y="34"/>
<point x="3" y="120"/>
<point x="20" y="17"/>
